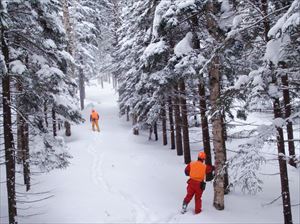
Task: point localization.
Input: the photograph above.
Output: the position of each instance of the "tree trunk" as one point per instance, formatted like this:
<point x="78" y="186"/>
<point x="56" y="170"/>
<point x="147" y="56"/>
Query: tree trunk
<point x="266" y="21"/>
<point x="127" y="113"/>
<point x="217" y="131"/>
<point x="205" y="128"/>
<point x="26" y="156"/>
<point x="171" y="121"/>
<point x="164" y="124"/>
<point x="70" y="35"/>
<point x="185" y="123"/>
<point x="9" y="150"/>
<point x="23" y="140"/>
<point x="102" y="84"/>
<point x="68" y="129"/>
<point x="8" y="135"/>
<point x="285" y="192"/>
<point x="134" y="123"/>
<point x="19" y="138"/>
<point x="150" y="133"/>
<point x="45" y="114"/>
<point x="289" y="126"/>
<point x="54" y="128"/>
<point x="81" y="87"/>
<point x="177" y="123"/>
<point x="155" y="131"/>
<point x="226" y="177"/>
<point x="195" y="116"/>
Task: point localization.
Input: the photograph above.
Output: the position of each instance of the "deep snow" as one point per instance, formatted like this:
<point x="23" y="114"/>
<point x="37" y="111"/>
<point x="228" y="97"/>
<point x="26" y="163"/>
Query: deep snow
<point x="115" y="177"/>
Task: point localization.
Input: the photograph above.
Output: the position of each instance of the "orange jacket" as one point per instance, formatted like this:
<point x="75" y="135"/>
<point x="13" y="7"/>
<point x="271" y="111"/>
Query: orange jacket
<point x="197" y="170"/>
<point x="94" y="116"/>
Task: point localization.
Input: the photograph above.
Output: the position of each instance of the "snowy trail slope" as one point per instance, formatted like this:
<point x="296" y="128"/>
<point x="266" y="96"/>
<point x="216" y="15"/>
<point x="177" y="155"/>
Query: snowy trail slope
<point x="115" y="177"/>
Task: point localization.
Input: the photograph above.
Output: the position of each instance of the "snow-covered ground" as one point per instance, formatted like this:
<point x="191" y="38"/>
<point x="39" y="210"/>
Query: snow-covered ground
<point x="116" y="177"/>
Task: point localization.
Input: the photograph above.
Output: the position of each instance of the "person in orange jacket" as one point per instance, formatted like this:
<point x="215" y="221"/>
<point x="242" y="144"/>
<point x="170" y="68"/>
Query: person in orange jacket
<point x="94" y="118"/>
<point x="197" y="171"/>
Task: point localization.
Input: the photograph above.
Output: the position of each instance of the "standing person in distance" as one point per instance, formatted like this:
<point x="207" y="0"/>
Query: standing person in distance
<point x="94" y="118"/>
<point x="197" y="171"/>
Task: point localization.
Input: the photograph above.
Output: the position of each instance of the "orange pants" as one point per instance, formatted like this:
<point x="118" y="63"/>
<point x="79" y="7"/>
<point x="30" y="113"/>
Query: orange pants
<point x="193" y="189"/>
<point x="95" y="123"/>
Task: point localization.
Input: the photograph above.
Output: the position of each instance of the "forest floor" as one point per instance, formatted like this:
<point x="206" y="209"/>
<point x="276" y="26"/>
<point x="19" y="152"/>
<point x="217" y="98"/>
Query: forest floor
<point x="116" y="177"/>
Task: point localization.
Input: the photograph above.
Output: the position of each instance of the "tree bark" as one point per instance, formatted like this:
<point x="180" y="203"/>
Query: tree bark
<point x="217" y="131"/>
<point x="23" y="140"/>
<point x="81" y="87"/>
<point x="289" y="126"/>
<point x="9" y="150"/>
<point x="8" y="135"/>
<point x="177" y="123"/>
<point x="226" y="177"/>
<point x="70" y="49"/>
<point x="127" y="113"/>
<point x="164" y="125"/>
<point x="134" y="123"/>
<point x="171" y="121"/>
<point x="54" y="128"/>
<point x="155" y="131"/>
<point x="68" y="129"/>
<point x="45" y="114"/>
<point x="205" y="128"/>
<point x="185" y="123"/>
<point x="285" y="192"/>
<point x="26" y="157"/>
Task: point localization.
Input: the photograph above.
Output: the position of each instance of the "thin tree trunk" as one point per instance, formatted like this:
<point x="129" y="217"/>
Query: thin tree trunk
<point x="68" y="129"/>
<point x="217" y="131"/>
<point x="177" y="123"/>
<point x="81" y="87"/>
<point x="19" y="138"/>
<point x="26" y="156"/>
<point x="134" y="123"/>
<point x="155" y="131"/>
<point x="171" y="121"/>
<point x="226" y="177"/>
<point x="101" y="81"/>
<point x="266" y="21"/>
<point x="54" y="128"/>
<point x="205" y="128"/>
<point x="285" y="192"/>
<point x="195" y="115"/>
<point x="289" y="126"/>
<point x="150" y="133"/>
<point x="164" y="124"/>
<point x="23" y="140"/>
<point x="127" y="113"/>
<point x="45" y="114"/>
<point x="185" y="123"/>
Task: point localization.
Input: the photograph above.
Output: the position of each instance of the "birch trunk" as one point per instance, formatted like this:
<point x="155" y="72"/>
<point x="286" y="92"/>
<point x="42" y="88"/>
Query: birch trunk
<point x="217" y="131"/>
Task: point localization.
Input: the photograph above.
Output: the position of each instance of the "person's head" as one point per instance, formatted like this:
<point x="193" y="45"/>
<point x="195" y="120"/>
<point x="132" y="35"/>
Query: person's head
<point x="201" y="156"/>
<point x="93" y="110"/>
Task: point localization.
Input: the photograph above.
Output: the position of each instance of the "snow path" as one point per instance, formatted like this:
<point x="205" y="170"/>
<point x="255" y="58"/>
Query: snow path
<point x="113" y="176"/>
<point x="116" y="177"/>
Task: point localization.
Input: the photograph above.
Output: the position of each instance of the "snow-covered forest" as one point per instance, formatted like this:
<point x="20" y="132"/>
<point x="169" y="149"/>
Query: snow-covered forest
<point x="169" y="79"/>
